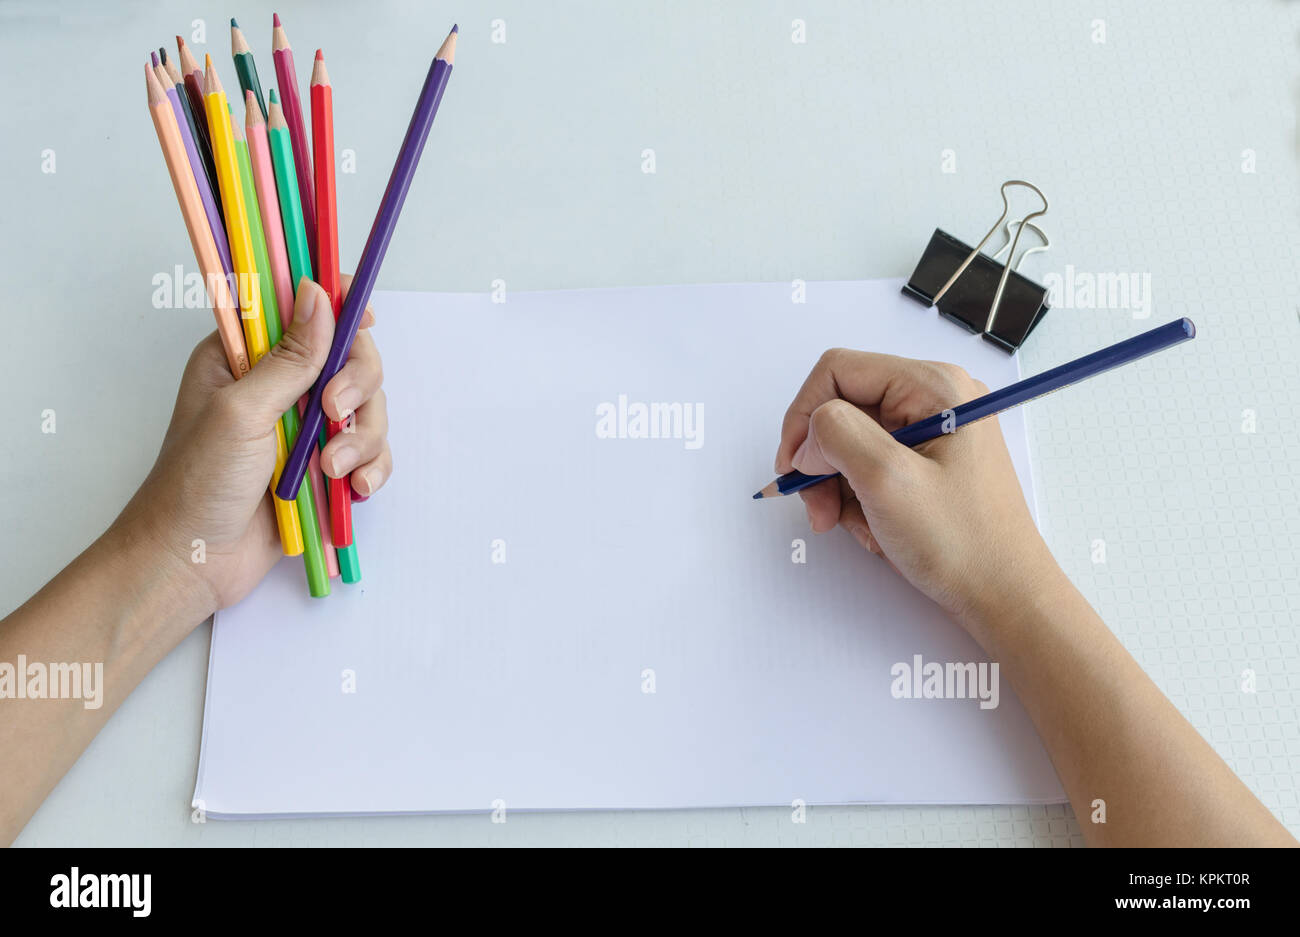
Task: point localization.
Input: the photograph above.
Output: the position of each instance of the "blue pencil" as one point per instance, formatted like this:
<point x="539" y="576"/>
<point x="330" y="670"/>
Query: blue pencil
<point x="1131" y="349"/>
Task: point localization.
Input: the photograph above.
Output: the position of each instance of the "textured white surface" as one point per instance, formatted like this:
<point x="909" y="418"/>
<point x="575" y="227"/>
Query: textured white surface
<point x="774" y="160"/>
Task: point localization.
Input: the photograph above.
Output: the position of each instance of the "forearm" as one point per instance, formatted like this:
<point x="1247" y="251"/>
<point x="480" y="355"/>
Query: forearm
<point x="120" y="607"/>
<point x="1112" y="735"/>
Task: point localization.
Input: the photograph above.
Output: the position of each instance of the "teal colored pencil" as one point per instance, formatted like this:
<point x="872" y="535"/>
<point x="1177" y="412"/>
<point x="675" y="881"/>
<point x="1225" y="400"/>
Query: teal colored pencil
<point x="295" y="242"/>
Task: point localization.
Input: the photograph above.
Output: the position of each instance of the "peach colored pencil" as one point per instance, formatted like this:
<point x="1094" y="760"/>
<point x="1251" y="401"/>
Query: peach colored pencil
<point x="196" y="223"/>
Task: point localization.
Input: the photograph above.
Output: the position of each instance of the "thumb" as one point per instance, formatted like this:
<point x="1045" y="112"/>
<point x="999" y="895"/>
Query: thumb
<point x="841" y="438"/>
<point x="281" y="377"/>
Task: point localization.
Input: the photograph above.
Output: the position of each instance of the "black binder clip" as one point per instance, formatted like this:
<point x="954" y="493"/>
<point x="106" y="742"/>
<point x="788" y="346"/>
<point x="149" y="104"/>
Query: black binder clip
<point x="976" y="291"/>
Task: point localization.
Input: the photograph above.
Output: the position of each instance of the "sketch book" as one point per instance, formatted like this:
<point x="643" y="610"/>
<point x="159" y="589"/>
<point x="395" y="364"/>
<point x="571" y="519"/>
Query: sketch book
<point x="570" y="601"/>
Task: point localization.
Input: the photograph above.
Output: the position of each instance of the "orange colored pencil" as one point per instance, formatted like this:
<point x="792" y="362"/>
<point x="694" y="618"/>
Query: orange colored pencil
<point x="327" y="251"/>
<point x="196" y="223"/>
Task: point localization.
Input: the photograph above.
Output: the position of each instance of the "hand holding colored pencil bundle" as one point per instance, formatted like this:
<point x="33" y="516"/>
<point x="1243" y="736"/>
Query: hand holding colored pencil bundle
<point x="261" y="214"/>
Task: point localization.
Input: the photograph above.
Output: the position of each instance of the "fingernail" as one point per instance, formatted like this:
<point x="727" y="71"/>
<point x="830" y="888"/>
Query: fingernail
<point x="320" y="304"/>
<point x="346" y="400"/>
<point x="861" y="535"/>
<point x="344" y="461"/>
<point x="367" y="480"/>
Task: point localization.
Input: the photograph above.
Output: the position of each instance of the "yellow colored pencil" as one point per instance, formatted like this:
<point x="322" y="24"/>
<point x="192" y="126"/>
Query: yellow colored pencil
<point x="246" y="274"/>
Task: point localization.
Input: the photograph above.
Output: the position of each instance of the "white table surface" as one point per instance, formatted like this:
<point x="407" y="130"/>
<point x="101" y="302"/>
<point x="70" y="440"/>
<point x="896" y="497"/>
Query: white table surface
<point x="775" y="160"/>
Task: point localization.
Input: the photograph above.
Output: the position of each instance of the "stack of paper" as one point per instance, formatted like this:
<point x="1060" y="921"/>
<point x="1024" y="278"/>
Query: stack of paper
<point x="570" y="600"/>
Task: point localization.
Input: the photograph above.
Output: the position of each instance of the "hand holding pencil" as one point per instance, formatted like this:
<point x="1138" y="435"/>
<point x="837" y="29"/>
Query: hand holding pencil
<point x="270" y="225"/>
<point x="950" y="515"/>
<point x="209" y="483"/>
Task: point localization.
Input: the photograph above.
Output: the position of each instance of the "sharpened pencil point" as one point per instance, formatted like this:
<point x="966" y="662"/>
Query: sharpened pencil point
<point x="207" y="61"/>
<point x="233" y="24"/>
<point x="180" y="42"/>
<point x="320" y="55"/>
<point x="153" y="57"/>
<point x="455" y="27"/>
<point x="275" y="19"/>
<point x="447" y="51"/>
<point x="271" y="96"/>
<point x="162" y="54"/>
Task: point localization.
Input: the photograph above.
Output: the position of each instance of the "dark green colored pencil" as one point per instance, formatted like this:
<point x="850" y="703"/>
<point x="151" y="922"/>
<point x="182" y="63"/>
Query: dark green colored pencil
<point x="245" y="67"/>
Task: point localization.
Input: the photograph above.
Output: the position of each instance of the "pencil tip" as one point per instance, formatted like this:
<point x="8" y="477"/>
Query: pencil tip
<point x="455" y="27"/>
<point x="207" y="61"/>
<point x="758" y="496"/>
<point x="180" y="42"/>
<point x="162" y="54"/>
<point x="320" y="55"/>
<point x="270" y="96"/>
<point x="275" y="19"/>
<point x="233" y="24"/>
<point x="153" y="56"/>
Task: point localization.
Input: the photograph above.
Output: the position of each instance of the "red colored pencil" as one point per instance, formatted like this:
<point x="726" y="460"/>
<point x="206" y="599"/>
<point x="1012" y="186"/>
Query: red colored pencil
<point x="327" y="250"/>
<point x="287" y="77"/>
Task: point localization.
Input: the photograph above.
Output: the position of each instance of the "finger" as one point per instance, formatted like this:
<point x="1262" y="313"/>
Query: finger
<point x="854" y="520"/>
<point x="359" y="443"/>
<point x="370" y="477"/>
<point x="368" y="315"/>
<point x="895" y="391"/>
<point x="358" y="381"/>
<point x="841" y="438"/>
<point x="277" y="381"/>
<point x="822" y="502"/>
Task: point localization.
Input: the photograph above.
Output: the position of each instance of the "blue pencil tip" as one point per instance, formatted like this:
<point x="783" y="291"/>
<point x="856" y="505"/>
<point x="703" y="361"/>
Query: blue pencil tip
<point x="233" y="24"/>
<point x="758" y="496"/>
<point x="1189" y="328"/>
<point x="455" y="27"/>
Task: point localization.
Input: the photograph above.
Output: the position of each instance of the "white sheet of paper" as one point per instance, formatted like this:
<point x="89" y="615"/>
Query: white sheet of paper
<point x="630" y="564"/>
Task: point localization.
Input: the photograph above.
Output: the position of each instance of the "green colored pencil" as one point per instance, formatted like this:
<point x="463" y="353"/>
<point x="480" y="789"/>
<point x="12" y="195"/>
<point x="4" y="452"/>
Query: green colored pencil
<point x="295" y="241"/>
<point x="313" y="552"/>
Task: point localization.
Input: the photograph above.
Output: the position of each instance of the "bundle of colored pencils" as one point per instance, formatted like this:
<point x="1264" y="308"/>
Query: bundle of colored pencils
<point x="259" y="205"/>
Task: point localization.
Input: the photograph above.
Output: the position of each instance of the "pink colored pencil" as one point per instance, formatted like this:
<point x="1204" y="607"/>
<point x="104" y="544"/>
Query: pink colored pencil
<point x="259" y="154"/>
<point x="287" y="78"/>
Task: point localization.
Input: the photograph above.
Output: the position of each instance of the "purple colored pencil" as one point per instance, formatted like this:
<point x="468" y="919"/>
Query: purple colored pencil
<point x="200" y="176"/>
<point x="287" y="77"/>
<point x="363" y="282"/>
